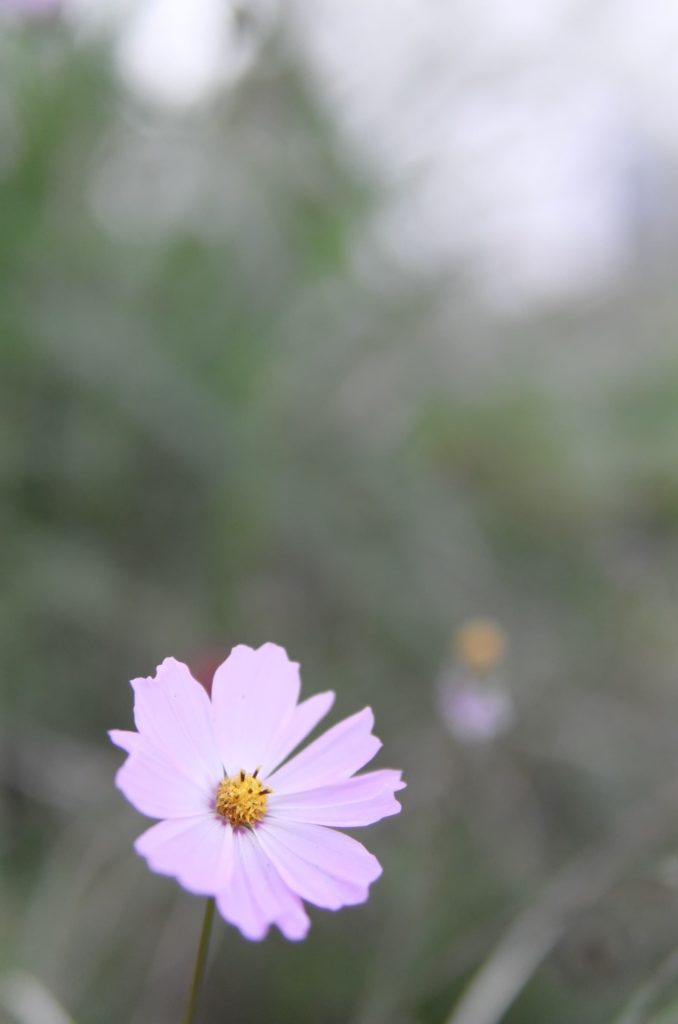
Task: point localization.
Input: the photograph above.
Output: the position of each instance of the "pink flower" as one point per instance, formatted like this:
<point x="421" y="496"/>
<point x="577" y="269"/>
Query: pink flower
<point x="239" y="821"/>
<point x="474" y="712"/>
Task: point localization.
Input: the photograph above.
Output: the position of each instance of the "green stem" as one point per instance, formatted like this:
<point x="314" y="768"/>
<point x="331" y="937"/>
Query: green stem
<point x="199" y="969"/>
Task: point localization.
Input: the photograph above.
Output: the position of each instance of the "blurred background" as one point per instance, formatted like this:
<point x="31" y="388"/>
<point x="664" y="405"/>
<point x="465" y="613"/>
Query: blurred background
<point x="350" y="325"/>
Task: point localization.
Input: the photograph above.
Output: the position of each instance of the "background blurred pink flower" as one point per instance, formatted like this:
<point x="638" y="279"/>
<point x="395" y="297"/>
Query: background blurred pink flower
<point x="474" y="712"/>
<point x="239" y="822"/>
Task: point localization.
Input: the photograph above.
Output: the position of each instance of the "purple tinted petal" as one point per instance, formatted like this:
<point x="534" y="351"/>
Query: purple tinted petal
<point x="254" y="694"/>
<point x="304" y="718"/>
<point x="174" y="716"/>
<point x="294" y="923"/>
<point x="159" y="789"/>
<point x="361" y="800"/>
<point x="335" y="755"/>
<point x="322" y="866"/>
<point x="124" y="739"/>
<point x="198" y="852"/>
<point x="257" y="897"/>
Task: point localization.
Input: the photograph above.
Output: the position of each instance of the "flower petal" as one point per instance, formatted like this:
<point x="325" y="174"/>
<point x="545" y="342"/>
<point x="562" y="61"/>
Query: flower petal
<point x="198" y="852"/>
<point x="257" y="897"/>
<point x="174" y="715"/>
<point x="254" y="694"/>
<point x="335" y="755"/>
<point x="361" y="800"/>
<point x="158" y="788"/>
<point x="124" y="739"/>
<point x="322" y="866"/>
<point x="304" y="718"/>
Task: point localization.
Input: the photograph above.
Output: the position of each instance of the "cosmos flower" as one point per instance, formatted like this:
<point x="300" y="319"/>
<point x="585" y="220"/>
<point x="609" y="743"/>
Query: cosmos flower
<point x="241" y="820"/>
<point x="474" y="712"/>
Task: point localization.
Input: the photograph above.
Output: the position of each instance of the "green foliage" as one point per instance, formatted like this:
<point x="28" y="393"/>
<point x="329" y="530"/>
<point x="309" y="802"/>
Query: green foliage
<point x="213" y="430"/>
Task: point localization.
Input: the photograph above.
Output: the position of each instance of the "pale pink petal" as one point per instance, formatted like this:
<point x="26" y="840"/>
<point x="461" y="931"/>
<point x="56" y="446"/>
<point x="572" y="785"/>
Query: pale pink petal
<point x="198" y="852"/>
<point x="304" y="718"/>
<point x="124" y="739"/>
<point x="295" y="923"/>
<point x="254" y="694"/>
<point x="322" y="866"/>
<point x="335" y="755"/>
<point x="174" y="716"/>
<point x="158" y="788"/>
<point x="361" y="800"/>
<point x="257" y="897"/>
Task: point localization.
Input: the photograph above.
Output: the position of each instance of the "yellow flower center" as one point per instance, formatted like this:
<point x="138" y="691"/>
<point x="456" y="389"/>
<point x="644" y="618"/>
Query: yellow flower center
<point x="242" y="798"/>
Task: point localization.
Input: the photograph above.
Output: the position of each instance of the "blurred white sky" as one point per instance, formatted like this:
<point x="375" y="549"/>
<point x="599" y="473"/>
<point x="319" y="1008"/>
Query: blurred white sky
<point x="528" y="138"/>
<point x="530" y="144"/>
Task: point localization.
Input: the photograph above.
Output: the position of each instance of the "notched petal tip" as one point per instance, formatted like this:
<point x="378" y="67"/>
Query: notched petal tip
<point x="126" y="739"/>
<point x="272" y="648"/>
<point x="268" y="646"/>
<point x="368" y="718"/>
<point x="169" y="662"/>
<point x="167" y="665"/>
<point x="366" y="713"/>
<point x="266" y="650"/>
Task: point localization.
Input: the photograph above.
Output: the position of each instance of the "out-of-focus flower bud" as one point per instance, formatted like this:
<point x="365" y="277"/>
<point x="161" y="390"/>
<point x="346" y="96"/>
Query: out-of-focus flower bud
<point x="480" y="645"/>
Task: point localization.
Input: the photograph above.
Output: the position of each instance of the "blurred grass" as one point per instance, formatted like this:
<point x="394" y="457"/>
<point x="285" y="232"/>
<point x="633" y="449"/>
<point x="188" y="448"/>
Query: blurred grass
<point x="213" y="430"/>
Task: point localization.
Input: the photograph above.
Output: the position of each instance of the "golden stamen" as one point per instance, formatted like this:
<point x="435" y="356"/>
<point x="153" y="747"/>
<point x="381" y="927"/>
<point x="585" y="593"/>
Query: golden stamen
<point x="241" y="799"/>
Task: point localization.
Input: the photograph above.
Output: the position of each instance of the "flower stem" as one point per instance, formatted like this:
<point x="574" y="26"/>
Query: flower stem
<point x="200" y="959"/>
